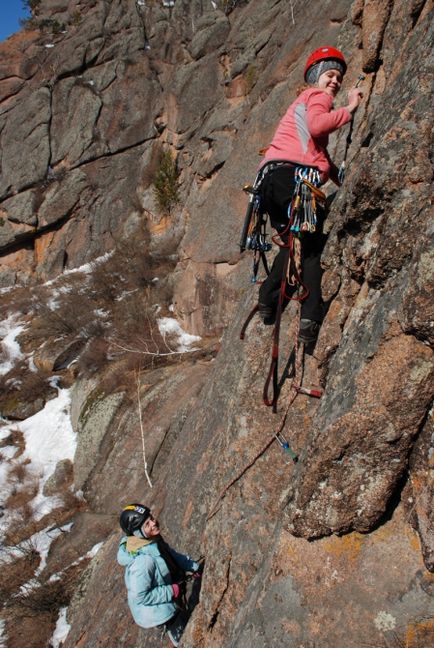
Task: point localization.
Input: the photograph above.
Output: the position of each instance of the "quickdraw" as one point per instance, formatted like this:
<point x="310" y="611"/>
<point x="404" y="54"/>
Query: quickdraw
<point x="307" y="180"/>
<point x="254" y="234"/>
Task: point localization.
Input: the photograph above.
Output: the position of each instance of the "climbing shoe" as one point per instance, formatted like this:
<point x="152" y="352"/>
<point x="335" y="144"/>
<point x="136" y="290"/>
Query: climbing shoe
<point x="176" y="626"/>
<point x="267" y="314"/>
<point x="309" y="330"/>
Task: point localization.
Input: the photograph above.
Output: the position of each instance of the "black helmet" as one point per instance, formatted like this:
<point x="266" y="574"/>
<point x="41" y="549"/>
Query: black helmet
<point x="132" y="517"/>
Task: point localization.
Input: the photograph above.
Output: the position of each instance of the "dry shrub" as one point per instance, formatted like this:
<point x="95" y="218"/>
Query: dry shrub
<point x="94" y="357"/>
<point x="22" y="526"/>
<point x="14" y="574"/>
<point x="130" y="266"/>
<point x="44" y="595"/>
<point x="21" y="496"/>
<point x="37" y="594"/>
<point x="19" y="471"/>
<point x="111" y="304"/>
<point x="31" y="613"/>
<point x="135" y="331"/>
<point x="24" y="488"/>
<point x="25" y="391"/>
<point x="15" y="438"/>
<point x="18" y="300"/>
<point x="124" y="287"/>
<point x="73" y="317"/>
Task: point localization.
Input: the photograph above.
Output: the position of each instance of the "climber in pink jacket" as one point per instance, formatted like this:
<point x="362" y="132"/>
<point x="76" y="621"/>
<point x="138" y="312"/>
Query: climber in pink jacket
<point x="299" y="148"/>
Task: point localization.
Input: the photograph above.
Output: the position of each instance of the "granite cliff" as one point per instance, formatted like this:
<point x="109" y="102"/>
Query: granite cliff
<point x="337" y="549"/>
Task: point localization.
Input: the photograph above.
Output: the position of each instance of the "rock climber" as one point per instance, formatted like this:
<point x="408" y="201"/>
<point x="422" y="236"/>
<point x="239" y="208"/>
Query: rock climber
<point x="155" y="574"/>
<point x="299" y="146"/>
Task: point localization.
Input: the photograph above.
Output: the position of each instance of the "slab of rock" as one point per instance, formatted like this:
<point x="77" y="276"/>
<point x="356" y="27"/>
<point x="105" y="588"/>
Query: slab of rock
<point x="25" y="142"/>
<point x="60" y="480"/>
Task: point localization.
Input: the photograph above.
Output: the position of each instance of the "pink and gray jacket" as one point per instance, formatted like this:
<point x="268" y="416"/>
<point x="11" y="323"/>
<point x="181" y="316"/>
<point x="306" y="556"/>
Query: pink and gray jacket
<point x="302" y="135"/>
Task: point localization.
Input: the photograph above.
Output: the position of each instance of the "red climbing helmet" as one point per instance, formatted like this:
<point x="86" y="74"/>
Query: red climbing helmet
<point x="324" y="54"/>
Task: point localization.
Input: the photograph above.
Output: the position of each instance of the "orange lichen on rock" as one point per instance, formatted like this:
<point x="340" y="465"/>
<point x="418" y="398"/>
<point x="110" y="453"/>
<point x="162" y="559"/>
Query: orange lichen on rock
<point x="347" y="546"/>
<point x="420" y="634"/>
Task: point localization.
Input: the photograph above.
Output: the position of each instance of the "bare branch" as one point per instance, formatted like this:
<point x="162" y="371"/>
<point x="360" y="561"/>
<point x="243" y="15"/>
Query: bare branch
<point x="291" y="3"/>
<point x="149" y="353"/>
<point x="139" y="404"/>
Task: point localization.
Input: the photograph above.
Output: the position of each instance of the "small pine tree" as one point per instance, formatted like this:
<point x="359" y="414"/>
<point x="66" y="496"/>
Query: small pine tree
<point x="166" y="183"/>
<point x="31" y="5"/>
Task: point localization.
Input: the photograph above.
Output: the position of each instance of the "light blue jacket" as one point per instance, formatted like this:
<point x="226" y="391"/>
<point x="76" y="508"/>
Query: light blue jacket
<point x="149" y="583"/>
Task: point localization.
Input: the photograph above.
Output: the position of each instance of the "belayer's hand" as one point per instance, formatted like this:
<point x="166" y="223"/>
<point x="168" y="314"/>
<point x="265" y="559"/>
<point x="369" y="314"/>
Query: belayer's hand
<point x="176" y="590"/>
<point x="196" y="575"/>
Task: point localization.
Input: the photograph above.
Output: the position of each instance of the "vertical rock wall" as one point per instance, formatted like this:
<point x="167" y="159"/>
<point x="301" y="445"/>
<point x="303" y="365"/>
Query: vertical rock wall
<point x="339" y="546"/>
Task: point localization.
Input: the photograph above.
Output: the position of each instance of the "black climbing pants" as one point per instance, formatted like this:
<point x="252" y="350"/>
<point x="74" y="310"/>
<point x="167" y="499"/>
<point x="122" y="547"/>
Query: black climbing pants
<point x="276" y="191"/>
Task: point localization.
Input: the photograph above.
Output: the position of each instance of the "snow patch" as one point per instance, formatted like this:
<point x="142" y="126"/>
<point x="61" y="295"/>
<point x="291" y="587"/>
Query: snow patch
<point x="49" y="435"/>
<point x="40" y="542"/>
<point x="100" y="312"/>
<point x="168" y="326"/>
<point x="86" y="268"/>
<point x="31" y="363"/>
<point x="3" y="636"/>
<point x="10" y="349"/>
<point x="92" y="552"/>
<point x="61" y="630"/>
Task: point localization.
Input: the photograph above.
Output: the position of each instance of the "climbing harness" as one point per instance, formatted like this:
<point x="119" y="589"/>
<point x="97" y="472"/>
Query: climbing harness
<point x="301" y="218"/>
<point x="254" y="231"/>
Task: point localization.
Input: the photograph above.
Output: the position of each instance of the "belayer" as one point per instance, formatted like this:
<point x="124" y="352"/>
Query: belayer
<point x="295" y="164"/>
<point x="155" y="574"/>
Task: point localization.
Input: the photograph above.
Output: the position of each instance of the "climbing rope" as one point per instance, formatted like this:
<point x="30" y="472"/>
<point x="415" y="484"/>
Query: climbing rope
<point x="290" y="239"/>
<point x="278" y="436"/>
<point x="302" y="218"/>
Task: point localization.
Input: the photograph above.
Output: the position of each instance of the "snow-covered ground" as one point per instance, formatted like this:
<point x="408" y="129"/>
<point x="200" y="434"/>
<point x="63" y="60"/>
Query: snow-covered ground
<point x="10" y="351"/>
<point x="48" y="438"/>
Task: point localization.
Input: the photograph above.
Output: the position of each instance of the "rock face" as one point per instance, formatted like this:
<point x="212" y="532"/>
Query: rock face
<point x="340" y="545"/>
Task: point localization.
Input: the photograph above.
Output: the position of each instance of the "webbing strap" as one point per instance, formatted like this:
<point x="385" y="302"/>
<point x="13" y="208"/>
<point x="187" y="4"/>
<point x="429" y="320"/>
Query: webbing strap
<point x="248" y="320"/>
<point x="291" y="274"/>
<point x="273" y="371"/>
